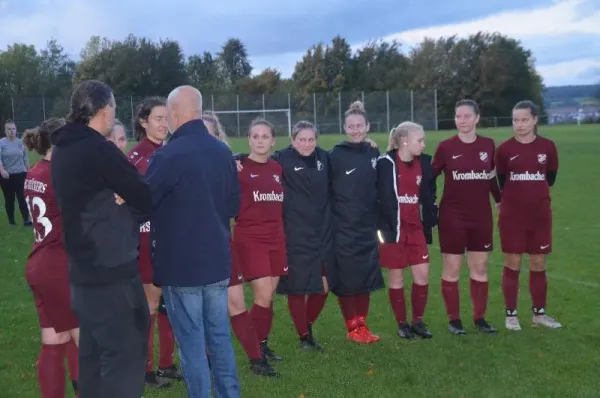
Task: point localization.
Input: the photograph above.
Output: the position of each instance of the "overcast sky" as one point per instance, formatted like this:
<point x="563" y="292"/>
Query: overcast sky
<point x="564" y="35"/>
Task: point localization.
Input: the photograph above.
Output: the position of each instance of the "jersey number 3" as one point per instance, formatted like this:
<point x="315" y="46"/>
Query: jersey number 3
<point x="43" y="226"/>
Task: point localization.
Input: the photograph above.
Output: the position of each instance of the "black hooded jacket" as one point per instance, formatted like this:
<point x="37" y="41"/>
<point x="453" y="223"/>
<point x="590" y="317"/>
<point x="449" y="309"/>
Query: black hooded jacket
<point x="389" y="209"/>
<point x="101" y="238"/>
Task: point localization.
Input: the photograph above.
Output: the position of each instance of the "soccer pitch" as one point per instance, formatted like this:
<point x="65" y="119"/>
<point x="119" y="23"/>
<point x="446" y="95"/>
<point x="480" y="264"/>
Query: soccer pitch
<point x="532" y="363"/>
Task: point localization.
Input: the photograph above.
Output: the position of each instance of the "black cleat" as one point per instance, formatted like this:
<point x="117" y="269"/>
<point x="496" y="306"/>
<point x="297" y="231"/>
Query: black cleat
<point x="455" y="327"/>
<point x="261" y="367"/>
<point x="484" y="327"/>
<point x="75" y="386"/>
<point x="308" y="343"/>
<point x="169" y="373"/>
<point x="268" y="353"/>
<point x="405" y="331"/>
<point x="420" y="329"/>
<point x="154" y="382"/>
<point x="28" y="224"/>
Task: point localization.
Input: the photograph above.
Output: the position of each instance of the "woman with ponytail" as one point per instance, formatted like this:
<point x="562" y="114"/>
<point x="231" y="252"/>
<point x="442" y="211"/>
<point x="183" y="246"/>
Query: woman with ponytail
<point x="353" y="189"/>
<point x="47" y="269"/>
<point x="150" y="128"/>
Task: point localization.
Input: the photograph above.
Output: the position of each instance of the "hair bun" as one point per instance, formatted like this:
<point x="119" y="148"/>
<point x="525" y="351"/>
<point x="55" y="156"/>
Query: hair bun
<point x="357" y="106"/>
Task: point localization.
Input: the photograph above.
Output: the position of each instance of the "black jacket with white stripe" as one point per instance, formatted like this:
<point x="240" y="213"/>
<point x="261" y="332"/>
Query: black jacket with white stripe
<point x="387" y="195"/>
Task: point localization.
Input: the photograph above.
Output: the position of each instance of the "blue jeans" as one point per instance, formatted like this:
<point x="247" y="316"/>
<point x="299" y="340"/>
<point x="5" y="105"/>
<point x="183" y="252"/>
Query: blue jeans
<point x="200" y="322"/>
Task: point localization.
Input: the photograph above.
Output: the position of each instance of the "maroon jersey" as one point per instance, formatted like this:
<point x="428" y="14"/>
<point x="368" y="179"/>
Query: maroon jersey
<point x="409" y="188"/>
<point x="48" y="250"/>
<point x="139" y="156"/>
<point x="524" y="168"/>
<point x="261" y="209"/>
<point x="469" y="178"/>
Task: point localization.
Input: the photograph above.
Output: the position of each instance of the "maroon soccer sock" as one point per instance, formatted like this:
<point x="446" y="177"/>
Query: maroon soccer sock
<point x="262" y="318"/>
<point x="297" y="306"/>
<point x="150" y="356"/>
<point x="510" y="289"/>
<point x="479" y="296"/>
<point x="166" y="341"/>
<point x="243" y="328"/>
<point x="398" y="304"/>
<point x="314" y="307"/>
<point x="538" y="287"/>
<point x="451" y="299"/>
<point x="348" y="307"/>
<point x="362" y="304"/>
<point x="270" y="321"/>
<point x="73" y="360"/>
<point x="51" y="370"/>
<point x="418" y="299"/>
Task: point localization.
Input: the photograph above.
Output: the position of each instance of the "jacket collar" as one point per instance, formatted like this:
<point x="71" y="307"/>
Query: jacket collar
<point x="195" y="126"/>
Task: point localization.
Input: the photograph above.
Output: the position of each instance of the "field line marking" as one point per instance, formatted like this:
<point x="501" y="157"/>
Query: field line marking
<point x="552" y="275"/>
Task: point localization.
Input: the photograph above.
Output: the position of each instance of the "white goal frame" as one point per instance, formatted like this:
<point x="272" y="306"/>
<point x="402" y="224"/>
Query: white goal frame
<point x="259" y="112"/>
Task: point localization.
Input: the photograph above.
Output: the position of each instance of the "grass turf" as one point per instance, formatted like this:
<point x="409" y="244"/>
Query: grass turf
<point x="532" y="363"/>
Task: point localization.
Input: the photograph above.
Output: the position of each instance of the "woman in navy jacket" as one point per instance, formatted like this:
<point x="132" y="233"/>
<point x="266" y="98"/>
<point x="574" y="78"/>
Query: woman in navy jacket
<point x="406" y="193"/>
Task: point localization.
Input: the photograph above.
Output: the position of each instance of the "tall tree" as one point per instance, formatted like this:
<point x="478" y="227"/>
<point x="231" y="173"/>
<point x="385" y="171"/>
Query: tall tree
<point x="233" y="58"/>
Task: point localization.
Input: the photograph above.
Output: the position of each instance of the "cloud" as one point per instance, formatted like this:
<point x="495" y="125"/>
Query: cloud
<point x="560" y="33"/>
<point x="564" y="38"/>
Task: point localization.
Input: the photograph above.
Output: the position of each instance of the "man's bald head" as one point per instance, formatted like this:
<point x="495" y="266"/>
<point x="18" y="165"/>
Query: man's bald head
<point x="184" y="104"/>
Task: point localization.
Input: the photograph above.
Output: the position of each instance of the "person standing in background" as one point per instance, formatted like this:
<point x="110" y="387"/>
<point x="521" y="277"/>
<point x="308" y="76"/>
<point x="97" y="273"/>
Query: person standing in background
<point x="117" y="135"/>
<point x="195" y="193"/>
<point x="14" y="164"/>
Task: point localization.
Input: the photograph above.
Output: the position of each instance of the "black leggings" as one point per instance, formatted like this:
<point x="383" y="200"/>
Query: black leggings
<point x="12" y="188"/>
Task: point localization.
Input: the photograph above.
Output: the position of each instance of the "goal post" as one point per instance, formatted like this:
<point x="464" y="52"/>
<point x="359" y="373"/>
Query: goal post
<point x="280" y="118"/>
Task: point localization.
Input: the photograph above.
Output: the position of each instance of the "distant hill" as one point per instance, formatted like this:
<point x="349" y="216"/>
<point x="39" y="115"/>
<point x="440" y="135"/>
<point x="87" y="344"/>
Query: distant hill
<point x="562" y="97"/>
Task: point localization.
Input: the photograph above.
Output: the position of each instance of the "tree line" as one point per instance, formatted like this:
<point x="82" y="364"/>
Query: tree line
<point x="493" y="69"/>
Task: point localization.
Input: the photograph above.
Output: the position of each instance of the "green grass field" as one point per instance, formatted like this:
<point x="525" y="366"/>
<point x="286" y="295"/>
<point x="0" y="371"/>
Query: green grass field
<point x="531" y="363"/>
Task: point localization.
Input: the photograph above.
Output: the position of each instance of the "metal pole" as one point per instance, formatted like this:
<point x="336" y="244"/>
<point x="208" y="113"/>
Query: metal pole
<point x="387" y="108"/>
<point x="237" y="98"/>
<point x="362" y="97"/>
<point x="12" y="105"/>
<point x="289" y="112"/>
<point x="289" y="115"/>
<point x="340" y="112"/>
<point x="44" y="107"/>
<point x="212" y="102"/>
<point x="132" y="115"/>
<point x="263" y="101"/>
<point x="412" y="107"/>
<point x="315" y="109"/>
<point x="435" y="110"/>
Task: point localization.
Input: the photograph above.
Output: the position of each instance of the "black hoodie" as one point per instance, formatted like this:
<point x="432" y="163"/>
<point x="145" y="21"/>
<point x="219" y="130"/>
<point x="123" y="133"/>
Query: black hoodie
<point x="101" y="237"/>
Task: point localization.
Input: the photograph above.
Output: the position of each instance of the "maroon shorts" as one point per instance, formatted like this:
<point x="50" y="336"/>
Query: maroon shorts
<point x="517" y="237"/>
<point x="53" y="305"/>
<point x="259" y="260"/>
<point x="237" y="278"/>
<point x="405" y="253"/>
<point x="456" y="237"/>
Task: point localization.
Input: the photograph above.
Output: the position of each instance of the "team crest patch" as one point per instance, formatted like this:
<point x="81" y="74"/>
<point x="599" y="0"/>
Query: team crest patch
<point x="374" y="162"/>
<point x="483" y="156"/>
<point x="276" y="178"/>
<point x="541" y="158"/>
<point x="419" y="178"/>
<point x="319" y="165"/>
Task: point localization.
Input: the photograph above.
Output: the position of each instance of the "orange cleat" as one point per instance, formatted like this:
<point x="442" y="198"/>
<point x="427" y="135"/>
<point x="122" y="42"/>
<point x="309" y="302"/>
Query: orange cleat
<point x="364" y="330"/>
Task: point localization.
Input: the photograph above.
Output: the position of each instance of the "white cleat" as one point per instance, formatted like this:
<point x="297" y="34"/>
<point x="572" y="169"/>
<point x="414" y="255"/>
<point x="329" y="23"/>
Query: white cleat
<point x="545" y="320"/>
<point x="512" y="323"/>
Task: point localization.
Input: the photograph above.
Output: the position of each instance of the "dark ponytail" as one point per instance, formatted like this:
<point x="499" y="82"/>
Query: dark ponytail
<point x="38" y="139"/>
<point x="88" y="98"/>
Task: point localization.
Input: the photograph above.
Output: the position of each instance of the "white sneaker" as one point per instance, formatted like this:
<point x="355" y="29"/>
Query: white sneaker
<point x="545" y="320"/>
<point x="512" y="323"/>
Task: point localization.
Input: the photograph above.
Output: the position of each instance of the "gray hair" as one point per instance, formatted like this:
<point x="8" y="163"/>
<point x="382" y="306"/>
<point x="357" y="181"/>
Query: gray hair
<point x="303" y="125"/>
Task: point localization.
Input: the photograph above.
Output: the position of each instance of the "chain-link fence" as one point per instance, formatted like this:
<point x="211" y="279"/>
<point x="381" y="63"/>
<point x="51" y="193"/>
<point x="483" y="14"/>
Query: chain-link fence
<point x="326" y="110"/>
<point x="236" y="111"/>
